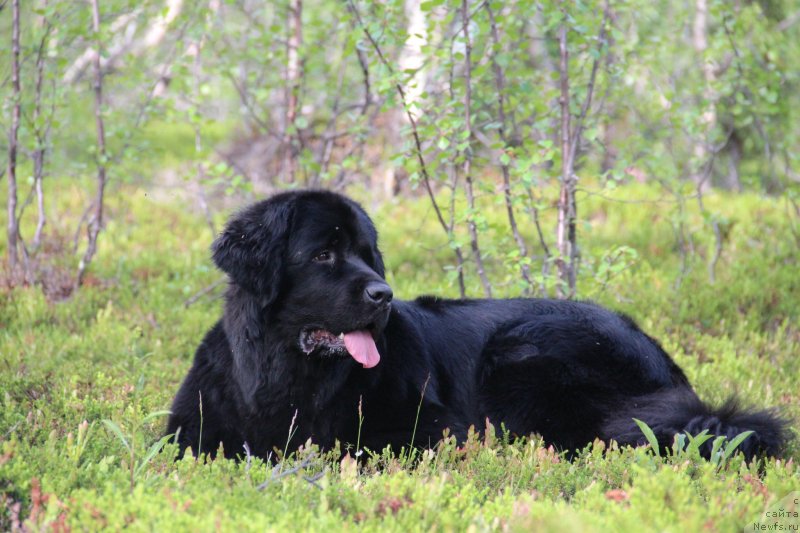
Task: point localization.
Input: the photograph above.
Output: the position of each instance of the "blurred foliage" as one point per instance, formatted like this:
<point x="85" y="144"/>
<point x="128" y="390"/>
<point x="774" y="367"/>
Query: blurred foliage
<point x="197" y="92"/>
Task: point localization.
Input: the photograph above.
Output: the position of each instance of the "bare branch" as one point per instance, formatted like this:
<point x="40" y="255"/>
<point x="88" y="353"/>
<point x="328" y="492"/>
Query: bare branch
<point x="709" y="115"/>
<point x="587" y="103"/>
<point x="202" y="292"/>
<point x="195" y="49"/>
<point x="793" y="205"/>
<point x="788" y="22"/>
<point x="244" y="98"/>
<point x="330" y="135"/>
<point x="96" y="222"/>
<point x="279" y="473"/>
<point x="451" y="229"/>
<point x="718" y="241"/>
<point x="124" y="28"/>
<point x="158" y="28"/>
<point x="81" y="221"/>
<point x="426" y="179"/>
<point x="362" y="60"/>
<point x="741" y="86"/>
<point x="500" y="84"/>
<point x="567" y="186"/>
<point x="454" y="175"/>
<point x="566" y="235"/>
<point x="294" y="74"/>
<point x="13" y="137"/>
<point x="41" y="138"/>
<point x="542" y="241"/>
<point x="473" y="229"/>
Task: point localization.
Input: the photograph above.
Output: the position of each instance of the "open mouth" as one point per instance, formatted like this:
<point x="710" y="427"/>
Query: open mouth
<point x="359" y="344"/>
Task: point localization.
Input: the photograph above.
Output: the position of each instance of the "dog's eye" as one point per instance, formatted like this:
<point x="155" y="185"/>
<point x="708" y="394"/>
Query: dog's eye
<point x="324" y="256"/>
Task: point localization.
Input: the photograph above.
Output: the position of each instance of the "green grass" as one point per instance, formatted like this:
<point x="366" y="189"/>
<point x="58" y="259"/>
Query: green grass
<point x="118" y="349"/>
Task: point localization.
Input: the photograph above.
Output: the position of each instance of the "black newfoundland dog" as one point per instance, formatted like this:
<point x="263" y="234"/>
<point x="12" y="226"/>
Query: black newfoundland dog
<point x="312" y="346"/>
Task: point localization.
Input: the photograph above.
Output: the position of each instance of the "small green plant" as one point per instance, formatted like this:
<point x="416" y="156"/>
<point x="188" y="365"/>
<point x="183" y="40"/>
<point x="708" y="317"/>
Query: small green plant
<point x="720" y="454"/>
<point x="136" y="464"/>
<point x="200" y="436"/>
<point x="411" y="453"/>
<point x="686" y="446"/>
<point x="649" y="435"/>
<point x="359" y="451"/>
<point x="290" y="436"/>
<point x="76" y="446"/>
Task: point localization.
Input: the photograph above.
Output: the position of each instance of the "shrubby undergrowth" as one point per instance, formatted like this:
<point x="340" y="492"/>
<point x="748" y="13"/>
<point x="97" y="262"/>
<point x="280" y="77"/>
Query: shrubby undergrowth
<point x="83" y="382"/>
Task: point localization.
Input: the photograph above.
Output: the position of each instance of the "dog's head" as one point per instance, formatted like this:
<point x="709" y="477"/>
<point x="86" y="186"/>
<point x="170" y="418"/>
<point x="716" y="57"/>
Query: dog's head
<point x="310" y="262"/>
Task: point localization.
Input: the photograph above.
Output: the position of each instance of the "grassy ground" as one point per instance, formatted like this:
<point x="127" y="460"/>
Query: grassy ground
<point x="83" y="383"/>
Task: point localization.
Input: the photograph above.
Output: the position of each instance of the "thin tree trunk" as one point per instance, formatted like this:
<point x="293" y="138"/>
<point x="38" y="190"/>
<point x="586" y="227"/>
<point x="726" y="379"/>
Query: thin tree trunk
<point x="575" y="138"/>
<point x="565" y="199"/>
<point x="426" y="177"/>
<point x="500" y="84"/>
<point x="41" y="139"/>
<point x="566" y="235"/>
<point x="13" y="137"/>
<point x="473" y="229"/>
<point x="462" y="288"/>
<point x="734" y="159"/>
<point x="455" y="172"/>
<point x="543" y="242"/>
<point x="700" y="43"/>
<point x="200" y="172"/>
<point x="38" y="175"/>
<point x="412" y="58"/>
<point x="293" y="75"/>
<point x="610" y="122"/>
<point x="96" y="223"/>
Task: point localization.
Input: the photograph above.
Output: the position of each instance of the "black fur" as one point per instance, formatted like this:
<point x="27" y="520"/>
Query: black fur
<point x="570" y="371"/>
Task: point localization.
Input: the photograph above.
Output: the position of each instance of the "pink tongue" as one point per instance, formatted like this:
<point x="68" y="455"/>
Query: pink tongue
<point x="362" y="348"/>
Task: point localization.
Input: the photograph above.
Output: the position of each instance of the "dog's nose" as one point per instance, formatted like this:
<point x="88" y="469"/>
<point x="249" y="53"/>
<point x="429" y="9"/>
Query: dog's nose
<point x="378" y="292"/>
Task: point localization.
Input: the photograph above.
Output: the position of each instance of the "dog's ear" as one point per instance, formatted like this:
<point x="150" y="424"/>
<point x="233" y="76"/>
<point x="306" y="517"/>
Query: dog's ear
<point x="251" y="250"/>
<point x="252" y="247"/>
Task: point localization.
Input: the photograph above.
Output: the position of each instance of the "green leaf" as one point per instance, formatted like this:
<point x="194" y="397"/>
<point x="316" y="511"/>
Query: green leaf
<point x="679" y="444"/>
<point x="154" y="449"/>
<point x="429" y="5"/>
<point x="715" y="449"/>
<point x="733" y="444"/>
<point x="648" y="434"/>
<point x="156" y="414"/>
<point x="693" y="448"/>
<point x="116" y="430"/>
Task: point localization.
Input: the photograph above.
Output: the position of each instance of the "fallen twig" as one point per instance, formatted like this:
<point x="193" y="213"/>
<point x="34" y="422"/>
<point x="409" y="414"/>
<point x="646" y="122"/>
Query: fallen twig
<point x="278" y="473"/>
<point x="202" y="292"/>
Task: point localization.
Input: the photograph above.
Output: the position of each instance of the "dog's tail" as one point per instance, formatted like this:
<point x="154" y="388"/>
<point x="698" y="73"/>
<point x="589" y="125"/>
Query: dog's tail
<point x="679" y="410"/>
